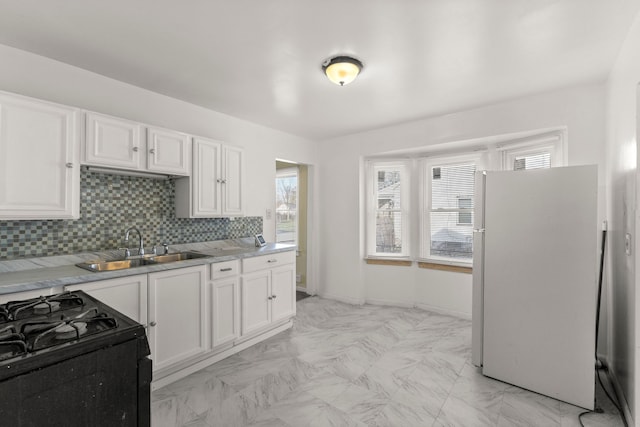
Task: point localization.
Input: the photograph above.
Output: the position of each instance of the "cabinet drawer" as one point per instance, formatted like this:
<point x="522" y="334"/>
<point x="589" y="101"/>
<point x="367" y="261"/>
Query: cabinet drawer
<point x="268" y="261"/>
<point x="220" y="270"/>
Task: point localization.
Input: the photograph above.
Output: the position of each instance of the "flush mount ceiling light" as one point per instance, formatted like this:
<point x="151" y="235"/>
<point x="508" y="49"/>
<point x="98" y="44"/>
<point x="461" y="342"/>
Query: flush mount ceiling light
<point x="342" y="70"/>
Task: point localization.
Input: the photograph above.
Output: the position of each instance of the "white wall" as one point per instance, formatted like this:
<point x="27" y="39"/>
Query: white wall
<point x="344" y="275"/>
<point x="622" y="178"/>
<point x="39" y="77"/>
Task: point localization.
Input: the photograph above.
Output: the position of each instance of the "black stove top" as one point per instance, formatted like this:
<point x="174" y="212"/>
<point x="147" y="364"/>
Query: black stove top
<point x="41" y="331"/>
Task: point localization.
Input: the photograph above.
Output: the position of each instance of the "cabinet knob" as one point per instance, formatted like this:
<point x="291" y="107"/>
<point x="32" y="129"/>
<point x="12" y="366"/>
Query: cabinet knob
<point x="69" y="165"/>
<point x="152" y="151"/>
<point x="274" y="296"/>
<point x="219" y="180"/>
<point x="224" y="181"/>
<point x="269" y="298"/>
<point x="135" y="149"/>
<point x="152" y="324"/>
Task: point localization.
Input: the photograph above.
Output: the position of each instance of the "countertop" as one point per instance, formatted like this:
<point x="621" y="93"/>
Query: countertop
<point x="47" y="272"/>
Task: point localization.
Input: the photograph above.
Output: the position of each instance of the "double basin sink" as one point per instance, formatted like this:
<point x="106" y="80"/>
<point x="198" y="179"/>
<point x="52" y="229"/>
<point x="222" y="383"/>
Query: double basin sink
<point x="139" y="262"/>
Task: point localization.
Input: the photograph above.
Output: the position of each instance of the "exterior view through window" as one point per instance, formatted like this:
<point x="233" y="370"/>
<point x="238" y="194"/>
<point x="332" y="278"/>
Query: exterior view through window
<point x="287" y="206"/>
<point x="451" y="210"/>
<point x="389" y="213"/>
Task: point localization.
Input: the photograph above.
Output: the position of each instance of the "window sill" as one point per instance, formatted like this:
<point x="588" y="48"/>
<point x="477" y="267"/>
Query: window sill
<point x="457" y="268"/>
<point x="389" y="261"/>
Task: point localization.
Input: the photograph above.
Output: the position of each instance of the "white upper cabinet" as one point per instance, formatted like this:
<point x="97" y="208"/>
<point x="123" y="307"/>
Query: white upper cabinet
<point x="116" y="143"/>
<point x="215" y="187"/>
<point x="39" y="159"/>
<point x="232" y="180"/>
<point x="168" y="151"/>
<point x="113" y="142"/>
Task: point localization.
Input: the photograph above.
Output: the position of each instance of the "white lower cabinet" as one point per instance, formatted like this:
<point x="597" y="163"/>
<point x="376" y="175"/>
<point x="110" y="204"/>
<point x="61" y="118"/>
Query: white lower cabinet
<point x="268" y="294"/>
<point x="177" y="315"/>
<point x="225" y="303"/>
<point x="128" y="295"/>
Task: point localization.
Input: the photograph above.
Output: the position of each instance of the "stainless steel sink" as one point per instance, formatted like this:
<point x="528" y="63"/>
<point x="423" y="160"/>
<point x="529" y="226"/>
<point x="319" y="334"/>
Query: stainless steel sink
<point x="139" y="262"/>
<point x="115" y="265"/>
<point x="181" y="256"/>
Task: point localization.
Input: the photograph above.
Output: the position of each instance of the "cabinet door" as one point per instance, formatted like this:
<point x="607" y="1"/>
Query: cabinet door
<point x="177" y="315"/>
<point x="128" y="295"/>
<point x="113" y="142"/>
<point x="168" y="151"/>
<point x="225" y="311"/>
<point x="206" y="178"/>
<point x="39" y="160"/>
<point x="256" y="301"/>
<point x="232" y="181"/>
<point x="283" y="292"/>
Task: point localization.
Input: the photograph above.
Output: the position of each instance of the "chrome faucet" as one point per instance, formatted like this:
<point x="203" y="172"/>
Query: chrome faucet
<point x="141" y="243"/>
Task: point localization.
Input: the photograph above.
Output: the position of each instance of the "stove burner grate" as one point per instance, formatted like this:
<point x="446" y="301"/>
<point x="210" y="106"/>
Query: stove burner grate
<point x="47" y="333"/>
<point x="42" y="305"/>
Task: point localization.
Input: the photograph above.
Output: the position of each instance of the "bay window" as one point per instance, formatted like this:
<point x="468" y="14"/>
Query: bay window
<point x="442" y="217"/>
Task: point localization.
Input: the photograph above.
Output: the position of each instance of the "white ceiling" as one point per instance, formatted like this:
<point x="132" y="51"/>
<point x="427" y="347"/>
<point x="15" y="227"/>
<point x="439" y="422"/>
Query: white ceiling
<point x="260" y="59"/>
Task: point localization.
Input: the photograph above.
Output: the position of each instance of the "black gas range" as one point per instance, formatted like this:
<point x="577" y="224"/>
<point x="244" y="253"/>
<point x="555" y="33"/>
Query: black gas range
<point x="70" y="360"/>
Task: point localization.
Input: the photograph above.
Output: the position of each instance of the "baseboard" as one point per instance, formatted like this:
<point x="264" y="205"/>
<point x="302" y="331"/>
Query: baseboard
<point x="622" y="400"/>
<point x="439" y="310"/>
<point x="302" y="289"/>
<point x="167" y="377"/>
<point x="348" y="300"/>
<point x="389" y="303"/>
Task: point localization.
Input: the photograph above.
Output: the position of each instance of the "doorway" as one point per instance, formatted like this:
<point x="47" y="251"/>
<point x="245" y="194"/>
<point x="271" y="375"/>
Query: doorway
<point x="292" y="201"/>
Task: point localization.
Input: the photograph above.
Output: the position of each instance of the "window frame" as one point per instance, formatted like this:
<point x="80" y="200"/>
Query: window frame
<point x="373" y="166"/>
<point x="425" y="203"/>
<point x="551" y="143"/>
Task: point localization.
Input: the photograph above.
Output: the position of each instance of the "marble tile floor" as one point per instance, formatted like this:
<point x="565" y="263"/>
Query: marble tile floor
<point x="344" y="365"/>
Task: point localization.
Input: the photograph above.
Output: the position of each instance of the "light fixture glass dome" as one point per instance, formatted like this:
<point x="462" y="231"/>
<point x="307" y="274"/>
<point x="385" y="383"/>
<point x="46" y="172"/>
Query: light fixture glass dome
<point x="342" y="70"/>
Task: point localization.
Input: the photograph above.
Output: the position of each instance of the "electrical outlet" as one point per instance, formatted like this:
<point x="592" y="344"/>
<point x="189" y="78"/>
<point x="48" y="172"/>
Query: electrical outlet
<point x="627" y="244"/>
<point x="268" y="214"/>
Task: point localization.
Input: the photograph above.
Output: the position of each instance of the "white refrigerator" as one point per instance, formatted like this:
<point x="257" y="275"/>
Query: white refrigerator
<point x="534" y="280"/>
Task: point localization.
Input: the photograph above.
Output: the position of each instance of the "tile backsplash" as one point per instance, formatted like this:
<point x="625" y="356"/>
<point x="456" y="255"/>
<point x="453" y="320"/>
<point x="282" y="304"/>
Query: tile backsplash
<point x="109" y="204"/>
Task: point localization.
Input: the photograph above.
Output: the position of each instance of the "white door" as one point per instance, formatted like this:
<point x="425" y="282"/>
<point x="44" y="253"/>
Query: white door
<point x="256" y="301"/>
<point x="540" y="281"/>
<point x="128" y="295"/>
<point x="113" y="142"/>
<point x="232" y="180"/>
<point x="225" y="311"/>
<point x="283" y="292"/>
<point x="168" y="151"/>
<point x="177" y="315"/>
<point x="39" y="159"/>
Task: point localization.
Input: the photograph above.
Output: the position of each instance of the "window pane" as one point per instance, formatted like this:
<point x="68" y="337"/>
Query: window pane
<point x="449" y="237"/>
<point x="389" y="189"/>
<point x="388" y="232"/>
<point x="532" y="161"/>
<point x="451" y="183"/>
<point x="286" y="208"/>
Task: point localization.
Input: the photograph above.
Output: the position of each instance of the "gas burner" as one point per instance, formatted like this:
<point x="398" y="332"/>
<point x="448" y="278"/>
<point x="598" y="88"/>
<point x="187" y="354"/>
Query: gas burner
<point x="46" y="307"/>
<point x="70" y="330"/>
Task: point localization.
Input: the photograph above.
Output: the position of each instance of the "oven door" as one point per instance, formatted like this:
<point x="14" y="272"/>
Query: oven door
<point x="100" y="388"/>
